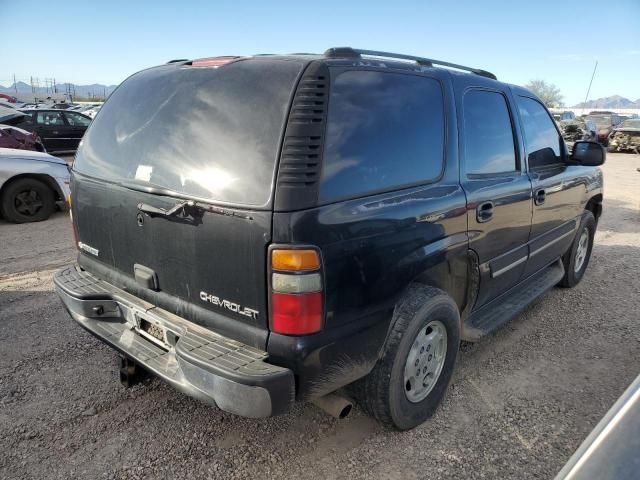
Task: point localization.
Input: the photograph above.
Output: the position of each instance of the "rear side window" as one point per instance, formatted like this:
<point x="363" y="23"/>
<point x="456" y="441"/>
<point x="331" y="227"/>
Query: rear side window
<point x="77" y="120"/>
<point x="543" y="140"/>
<point x="488" y="135"/>
<point x="385" y="131"/>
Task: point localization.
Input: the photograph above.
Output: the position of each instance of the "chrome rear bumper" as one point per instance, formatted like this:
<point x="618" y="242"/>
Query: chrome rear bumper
<point x="201" y="363"/>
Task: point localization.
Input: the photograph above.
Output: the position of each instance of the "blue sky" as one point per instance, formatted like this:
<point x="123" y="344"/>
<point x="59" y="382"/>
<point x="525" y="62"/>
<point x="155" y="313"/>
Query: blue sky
<point x="103" y="42"/>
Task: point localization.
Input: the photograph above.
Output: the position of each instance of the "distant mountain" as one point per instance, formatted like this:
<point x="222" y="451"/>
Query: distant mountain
<point x="96" y="89"/>
<point x="616" y="101"/>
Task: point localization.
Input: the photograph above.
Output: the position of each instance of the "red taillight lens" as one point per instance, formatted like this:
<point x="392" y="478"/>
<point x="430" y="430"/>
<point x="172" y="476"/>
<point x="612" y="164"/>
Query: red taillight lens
<point x="212" y="62"/>
<point x="297" y="299"/>
<point x="296" y="314"/>
<point x="74" y="230"/>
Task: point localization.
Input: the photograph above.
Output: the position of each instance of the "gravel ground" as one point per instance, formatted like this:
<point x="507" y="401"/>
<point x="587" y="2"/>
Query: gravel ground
<point x="520" y="402"/>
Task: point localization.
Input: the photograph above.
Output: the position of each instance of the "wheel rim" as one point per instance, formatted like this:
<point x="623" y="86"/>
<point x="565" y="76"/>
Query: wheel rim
<point x="581" y="251"/>
<point x="425" y="361"/>
<point x="28" y="202"/>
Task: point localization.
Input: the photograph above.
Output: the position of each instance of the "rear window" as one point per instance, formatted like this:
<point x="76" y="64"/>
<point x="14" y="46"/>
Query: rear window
<point x="211" y="133"/>
<point x="385" y="131"/>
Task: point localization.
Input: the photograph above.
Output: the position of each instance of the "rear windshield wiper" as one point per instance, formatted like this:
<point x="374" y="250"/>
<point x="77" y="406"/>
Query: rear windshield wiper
<point x="183" y="207"/>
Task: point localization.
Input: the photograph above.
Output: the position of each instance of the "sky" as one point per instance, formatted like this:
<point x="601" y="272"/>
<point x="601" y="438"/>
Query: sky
<point x="104" y="42"/>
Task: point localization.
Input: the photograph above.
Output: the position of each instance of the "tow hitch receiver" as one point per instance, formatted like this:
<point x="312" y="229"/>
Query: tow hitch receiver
<point x="131" y="373"/>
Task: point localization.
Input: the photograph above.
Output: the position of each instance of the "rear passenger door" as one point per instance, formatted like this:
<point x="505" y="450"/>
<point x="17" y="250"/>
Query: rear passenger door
<point x="498" y="190"/>
<point x="558" y="189"/>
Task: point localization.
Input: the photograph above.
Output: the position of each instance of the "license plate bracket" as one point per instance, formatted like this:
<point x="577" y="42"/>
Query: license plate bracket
<point x="153" y="331"/>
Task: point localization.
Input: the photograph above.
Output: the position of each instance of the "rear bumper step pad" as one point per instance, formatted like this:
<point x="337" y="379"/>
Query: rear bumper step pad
<point x="216" y="369"/>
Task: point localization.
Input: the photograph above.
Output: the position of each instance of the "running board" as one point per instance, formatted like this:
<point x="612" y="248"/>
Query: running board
<point x="505" y="307"/>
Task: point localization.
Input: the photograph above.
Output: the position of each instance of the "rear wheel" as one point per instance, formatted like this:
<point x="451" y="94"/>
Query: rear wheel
<point x="577" y="257"/>
<point x="409" y="381"/>
<point x="27" y="200"/>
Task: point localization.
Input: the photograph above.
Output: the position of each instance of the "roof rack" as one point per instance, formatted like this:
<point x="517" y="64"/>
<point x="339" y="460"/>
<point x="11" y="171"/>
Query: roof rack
<point x="178" y="60"/>
<point x="341" y="52"/>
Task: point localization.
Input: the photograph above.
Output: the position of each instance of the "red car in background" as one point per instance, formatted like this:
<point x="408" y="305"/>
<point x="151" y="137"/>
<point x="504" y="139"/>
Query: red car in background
<point x="8" y="98"/>
<point x="14" y="137"/>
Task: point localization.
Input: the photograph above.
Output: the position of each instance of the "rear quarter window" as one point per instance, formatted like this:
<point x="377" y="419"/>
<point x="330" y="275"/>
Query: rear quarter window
<point x="385" y="131"/>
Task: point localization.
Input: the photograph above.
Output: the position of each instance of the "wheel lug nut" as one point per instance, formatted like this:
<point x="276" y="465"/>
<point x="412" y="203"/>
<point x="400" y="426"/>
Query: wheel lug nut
<point x="429" y="358"/>
<point x="417" y="361"/>
<point x="424" y="370"/>
<point x="428" y="347"/>
<point x="421" y="349"/>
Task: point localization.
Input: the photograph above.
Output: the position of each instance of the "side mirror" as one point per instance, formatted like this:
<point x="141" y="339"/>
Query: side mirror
<point x="589" y="154"/>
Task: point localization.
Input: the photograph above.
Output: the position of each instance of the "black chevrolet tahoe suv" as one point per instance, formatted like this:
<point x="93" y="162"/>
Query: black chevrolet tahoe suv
<point x="269" y="229"/>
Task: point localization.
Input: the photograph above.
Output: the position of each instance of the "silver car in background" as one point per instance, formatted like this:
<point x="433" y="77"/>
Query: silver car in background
<point x="32" y="185"/>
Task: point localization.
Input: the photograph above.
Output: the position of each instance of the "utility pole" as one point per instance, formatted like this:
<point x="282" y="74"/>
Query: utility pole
<point x="589" y="89"/>
<point x="15" y="85"/>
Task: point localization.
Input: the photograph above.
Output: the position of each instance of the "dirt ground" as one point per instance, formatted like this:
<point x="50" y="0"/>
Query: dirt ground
<point x="520" y="402"/>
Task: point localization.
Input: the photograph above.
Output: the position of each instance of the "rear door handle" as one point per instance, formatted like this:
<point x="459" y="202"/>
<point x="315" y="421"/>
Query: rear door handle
<point x="540" y="196"/>
<point x="484" y="212"/>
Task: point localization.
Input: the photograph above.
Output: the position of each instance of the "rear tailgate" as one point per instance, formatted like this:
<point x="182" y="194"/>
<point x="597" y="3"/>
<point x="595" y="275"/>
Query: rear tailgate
<point x="177" y="133"/>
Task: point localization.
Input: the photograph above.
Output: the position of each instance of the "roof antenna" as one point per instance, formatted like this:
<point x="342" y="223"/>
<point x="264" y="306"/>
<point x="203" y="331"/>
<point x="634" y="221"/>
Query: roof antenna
<point x="589" y="89"/>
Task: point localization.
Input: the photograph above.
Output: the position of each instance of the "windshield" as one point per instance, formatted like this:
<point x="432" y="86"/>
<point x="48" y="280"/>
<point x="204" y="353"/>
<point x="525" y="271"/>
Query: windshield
<point x="600" y="120"/>
<point x="210" y="133"/>
<point x="630" y="124"/>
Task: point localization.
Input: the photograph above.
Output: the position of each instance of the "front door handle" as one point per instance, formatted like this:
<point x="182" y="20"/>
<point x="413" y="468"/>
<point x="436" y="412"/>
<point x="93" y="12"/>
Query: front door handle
<point x="540" y="196"/>
<point x="484" y="212"/>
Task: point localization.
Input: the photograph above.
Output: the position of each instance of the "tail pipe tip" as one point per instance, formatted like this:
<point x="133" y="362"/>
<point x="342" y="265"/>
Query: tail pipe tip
<point x="335" y="405"/>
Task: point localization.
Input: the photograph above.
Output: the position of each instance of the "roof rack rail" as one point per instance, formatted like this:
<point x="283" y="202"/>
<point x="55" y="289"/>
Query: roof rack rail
<point x="341" y="52"/>
<point x="177" y="60"/>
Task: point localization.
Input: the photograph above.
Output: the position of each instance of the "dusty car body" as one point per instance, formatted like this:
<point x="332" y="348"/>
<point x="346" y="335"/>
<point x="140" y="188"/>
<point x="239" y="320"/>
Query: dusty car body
<point x="611" y="449"/>
<point x="32" y="185"/>
<point x="626" y="137"/>
<point x="14" y="137"/>
<point x="578" y="129"/>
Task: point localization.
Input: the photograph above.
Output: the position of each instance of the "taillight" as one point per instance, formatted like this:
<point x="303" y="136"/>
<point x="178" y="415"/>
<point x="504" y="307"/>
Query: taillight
<point x="297" y="298"/>
<point x="73" y="225"/>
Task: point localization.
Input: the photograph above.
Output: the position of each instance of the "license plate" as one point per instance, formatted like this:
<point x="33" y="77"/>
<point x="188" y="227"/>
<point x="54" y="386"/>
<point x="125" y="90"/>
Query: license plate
<point x="152" y="331"/>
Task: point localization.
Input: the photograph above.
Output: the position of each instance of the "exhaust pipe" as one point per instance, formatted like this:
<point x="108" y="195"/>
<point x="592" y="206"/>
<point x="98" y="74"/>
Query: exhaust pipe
<point x="335" y="405"/>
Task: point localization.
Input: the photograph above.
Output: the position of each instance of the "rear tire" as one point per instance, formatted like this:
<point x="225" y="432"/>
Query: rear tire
<point x="27" y="200"/>
<point x="386" y="393"/>
<point x="577" y="257"/>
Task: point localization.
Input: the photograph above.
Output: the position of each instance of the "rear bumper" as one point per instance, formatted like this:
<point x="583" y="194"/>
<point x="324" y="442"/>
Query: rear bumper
<point x="194" y="360"/>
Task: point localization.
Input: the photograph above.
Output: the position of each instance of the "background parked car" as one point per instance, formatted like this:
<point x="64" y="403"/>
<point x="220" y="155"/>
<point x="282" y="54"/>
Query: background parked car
<point x="605" y="123"/>
<point x="14" y="137"/>
<point x="563" y="115"/>
<point x="625" y="137"/>
<point x="32" y="184"/>
<point x="9" y="98"/>
<point x="60" y="130"/>
<point x="578" y="129"/>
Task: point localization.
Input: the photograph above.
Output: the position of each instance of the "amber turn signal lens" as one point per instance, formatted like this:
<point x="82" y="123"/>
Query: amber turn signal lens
<point x="295" y="260"/>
